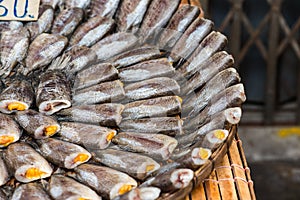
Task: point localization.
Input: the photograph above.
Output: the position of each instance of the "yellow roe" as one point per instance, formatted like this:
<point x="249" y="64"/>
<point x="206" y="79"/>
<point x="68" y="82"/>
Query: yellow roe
<point x="219" y="134"/>
<point x="5" y="140"/>
<point x="50" y="130"/>
<point x="124" y="189"/>
<point x="81" y="158"/>
<point x="16" y="106"/>
<point x="149" y="168"/>
<point x="203" y="154"/>
<point x="110" y="136"/>
<point x="34" y="173"/>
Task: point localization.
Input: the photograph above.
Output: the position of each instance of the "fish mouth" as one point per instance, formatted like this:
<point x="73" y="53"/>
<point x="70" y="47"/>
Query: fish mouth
<point x="10" y="106"/>
<point x="53" y="106"/>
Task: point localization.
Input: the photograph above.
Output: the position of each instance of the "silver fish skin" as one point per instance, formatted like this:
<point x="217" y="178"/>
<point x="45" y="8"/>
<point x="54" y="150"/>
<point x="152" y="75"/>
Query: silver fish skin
<point x="109" y="183"/>
<point x="179" y="22"/>
<point x="95" y="74"/>
<point x="209" y="69"/>
<point x="37" y="124"/>
<point x="146" y="70"/>
<point x="53" y="92"/>
<point x="165" y="125"/>
<point x="232" y="96"/>
<point x="106" y="92"/>
<point x="116" y="43"/>
<point x="44" y="48"/>
<point x="91" y="31"/>
<point x="173" y="180"/>
<point x="98" y="137"/>
<point x="26" y="164"/>
<point x="75" y="3"/>
<point x="157" y="16"/>
<point x="149" y="193"/>
<point x="130" y="15"/>
<point x="9" y="131"/>
<point x="157" y="146"/>
<point x="10" y="25"/>
<point x="4" y="174"/>
<point x="103" y="8"/>
<point x="18" y="96"/>
<point x="191" y="39"/>
<point x="134" y="56"/>
<point x="196" y="102"/>
<point x="155" y="107"/>
<point x="62" y="188"/>
<point x="136" y="165"/>
<point x="108" y="114"/>
<point x="32" y="191"/>
<point x="63" y="154"/>
<point x="13" y="47"/>
<point x="44" y="22"/>
<point x="66" y="21"/>
<point x="195" y="158"/>
<point x="155" y="87"/>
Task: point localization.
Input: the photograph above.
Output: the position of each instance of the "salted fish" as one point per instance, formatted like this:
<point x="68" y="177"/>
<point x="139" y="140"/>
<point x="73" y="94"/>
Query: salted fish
<point x="165" y="125"/>
<point x="91" y="31"/>
<point x="43" y="23"/>
<point x="10" y="25"/>
<point x="112" y="91"/>
<point x="75" y="3"/>
<point x="146" y="70"/>
<point x="214" y="139"/>
<point x="42" y="50"/>
<point x="179" y="22"/>
<point x="147" y="193"/>
<point x="136" y="165"/>
<point x="26" y="164"/>
<point x="37" y="124"/>
<point x="156" y="146"/>
<point x="116" y="43"/>
<point x="53" y="92"/>
<point x="109" y="183"/>
<point x="9" y="131"/>
<point x="95" y="74"/>
<point x="62" y="188"/>
<point x="66" y="21"/>
<point x="130" y="14"/>
<point x="53" y="3"/>
<point x="32" y="191"/>
<point x="108" y="114"/>
<point x="157" y="16"/>
<point x="191" y="39"/>
<point x="63" y="154"/>
<point x="13" y="48"/>
<point x="4" y="174"/>
<point x="155" y="107"/>
<point x="155" y="87"/>
<point x="103" y="8"/>
<point x="18" y="96"/>
<point x="89" y="136"/>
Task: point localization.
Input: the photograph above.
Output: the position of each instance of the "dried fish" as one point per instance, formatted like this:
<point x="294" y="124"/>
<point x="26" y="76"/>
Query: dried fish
<point x="37" y="124"/>
<point x="62" y="188"/>
<point x="157" y="146"/>
<point x="214" y="86"/>
<point x="26" y="164"/>
<point x="13" y="48"/>
<point x="90" y="136"/>
<point x="53" y="92"/>
<point x="136" y="165"/>
<point x="62" y="153"/>
<point x="166" y="125"/>
<point x="104" y="92"/>
<point x="214" y="138"/>
<point x="91" y="31"/>
<point x="160" y="106"/>
<point x="66" y="21"/>
<point x="75" y="3"/>
<point x="108" y="114"/>
<point x="3" y="196"/>
<point x="43" y="50"/>
<point x="108" y="182"/>
<point x="130" y="14"/>
<point x="179" y="22"/>
<point x="32" y="191"/>
<point x="155" y="87"/>
<point x="116" y="43"/>
<point x="9" y="131"/>
<point x="147" y="193"/>
<point x="4" y="175"/>
<point x="44" y="22"/>
<point x="53" y="3"/>
<point x="146" y="70"/>
<point x="103" y="8"/>
<point x="10" y="25"/>
<point x="95" y="74"/>
<point x="18" y="96"/>
<point x="157" y="16"/>
<point x="195" y="158"/>
<point x="191" y="38"/>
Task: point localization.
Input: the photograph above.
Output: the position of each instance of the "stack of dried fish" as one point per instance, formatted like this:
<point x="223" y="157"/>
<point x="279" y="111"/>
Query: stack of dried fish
<point x="112" y="99"/>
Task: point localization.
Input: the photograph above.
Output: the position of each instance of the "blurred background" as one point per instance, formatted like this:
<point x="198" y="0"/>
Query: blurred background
<point x="264" y="38"/>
